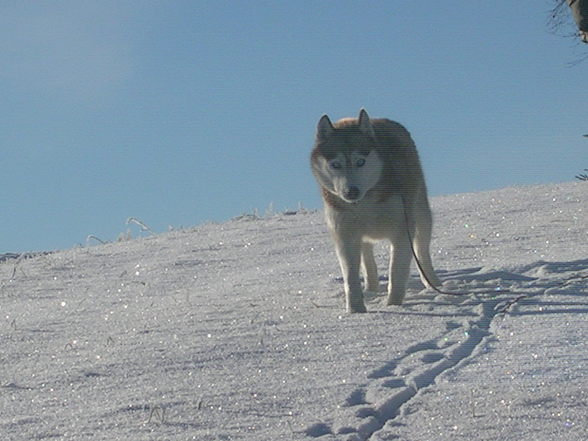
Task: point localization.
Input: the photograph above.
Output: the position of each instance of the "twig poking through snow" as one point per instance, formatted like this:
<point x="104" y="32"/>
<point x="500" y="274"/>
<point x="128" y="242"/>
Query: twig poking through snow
<point x="509" y="303"/>
<point x="142" y="225"/>
<point x="92" y="237"/>
<point x="582" y="176"/>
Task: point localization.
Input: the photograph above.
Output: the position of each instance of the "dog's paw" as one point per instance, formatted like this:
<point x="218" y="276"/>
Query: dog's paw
<point x="395" y="299"/>
<point x="356" y="308"/>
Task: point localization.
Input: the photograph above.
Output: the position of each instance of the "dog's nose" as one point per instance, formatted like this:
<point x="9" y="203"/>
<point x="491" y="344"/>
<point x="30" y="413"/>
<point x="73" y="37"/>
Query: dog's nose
<point x="352" y="193"/>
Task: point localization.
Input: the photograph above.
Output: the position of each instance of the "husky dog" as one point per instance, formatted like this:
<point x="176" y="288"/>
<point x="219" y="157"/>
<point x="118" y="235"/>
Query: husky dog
<point x="373" y="188"/>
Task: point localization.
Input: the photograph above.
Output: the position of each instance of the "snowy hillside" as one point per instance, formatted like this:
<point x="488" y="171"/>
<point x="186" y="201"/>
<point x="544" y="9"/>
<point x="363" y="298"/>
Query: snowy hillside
<point x="237" y="331"/>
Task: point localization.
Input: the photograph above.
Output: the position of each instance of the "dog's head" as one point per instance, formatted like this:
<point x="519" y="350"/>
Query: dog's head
<point x="345" y="161"/>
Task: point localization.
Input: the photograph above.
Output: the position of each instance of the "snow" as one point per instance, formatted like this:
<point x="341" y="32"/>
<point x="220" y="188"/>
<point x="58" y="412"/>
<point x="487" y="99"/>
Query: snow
<point x="237" y="331"/>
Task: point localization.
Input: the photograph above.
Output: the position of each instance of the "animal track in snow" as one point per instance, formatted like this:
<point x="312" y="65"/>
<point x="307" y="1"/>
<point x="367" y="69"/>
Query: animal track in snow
<point x="432" y="357"/>
<point x="372" y="405"/>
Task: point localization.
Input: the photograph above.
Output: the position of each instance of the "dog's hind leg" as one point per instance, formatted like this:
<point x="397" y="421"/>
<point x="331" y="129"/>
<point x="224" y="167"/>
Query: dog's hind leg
<point x="400" y="259"/>
<point x="369" y="268"/>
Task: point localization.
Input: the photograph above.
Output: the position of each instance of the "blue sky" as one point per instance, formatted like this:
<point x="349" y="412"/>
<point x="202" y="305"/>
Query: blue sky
<point x="182" y="112"/>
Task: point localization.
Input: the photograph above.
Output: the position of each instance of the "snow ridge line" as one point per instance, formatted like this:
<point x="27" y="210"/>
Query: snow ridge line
<point x="371" y="407"/>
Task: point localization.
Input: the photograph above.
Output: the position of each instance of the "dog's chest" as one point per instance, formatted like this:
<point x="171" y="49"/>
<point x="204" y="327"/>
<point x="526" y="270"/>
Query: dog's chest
<point x="369" y="218"/>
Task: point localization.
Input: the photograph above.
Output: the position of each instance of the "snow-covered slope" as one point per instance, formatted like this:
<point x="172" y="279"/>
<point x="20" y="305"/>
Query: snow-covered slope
<point x="237" y="331"/>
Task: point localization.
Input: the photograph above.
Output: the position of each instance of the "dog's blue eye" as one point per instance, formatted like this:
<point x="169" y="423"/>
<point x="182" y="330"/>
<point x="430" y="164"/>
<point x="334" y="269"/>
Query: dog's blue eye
<point x="335" y="164"/>
<point x="360" y="162"/>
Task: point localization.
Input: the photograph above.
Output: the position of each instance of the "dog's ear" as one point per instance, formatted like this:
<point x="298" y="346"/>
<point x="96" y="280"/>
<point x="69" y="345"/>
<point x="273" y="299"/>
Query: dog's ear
<point x="324" y="128"/>
<point x="365" y="124"/>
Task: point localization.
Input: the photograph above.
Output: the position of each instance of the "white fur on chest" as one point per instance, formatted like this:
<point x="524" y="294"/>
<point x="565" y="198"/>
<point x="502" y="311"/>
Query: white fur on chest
<point x="369" y="219"/>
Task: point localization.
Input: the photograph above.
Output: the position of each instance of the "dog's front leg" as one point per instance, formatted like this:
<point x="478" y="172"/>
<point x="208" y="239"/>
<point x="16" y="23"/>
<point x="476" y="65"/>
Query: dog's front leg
<point x="349" y="253"/>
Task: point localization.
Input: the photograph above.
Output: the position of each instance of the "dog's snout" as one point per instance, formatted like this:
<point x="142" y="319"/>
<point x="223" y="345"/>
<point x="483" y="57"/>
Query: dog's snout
<point x="352" y="193"/>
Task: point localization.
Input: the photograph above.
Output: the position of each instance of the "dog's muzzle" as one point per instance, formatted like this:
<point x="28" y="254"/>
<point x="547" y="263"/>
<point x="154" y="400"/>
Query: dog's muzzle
<point x="351" y="194"/>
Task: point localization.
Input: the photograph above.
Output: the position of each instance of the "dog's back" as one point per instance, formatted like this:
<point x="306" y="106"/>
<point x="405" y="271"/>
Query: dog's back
<point x="402" y="169"/>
